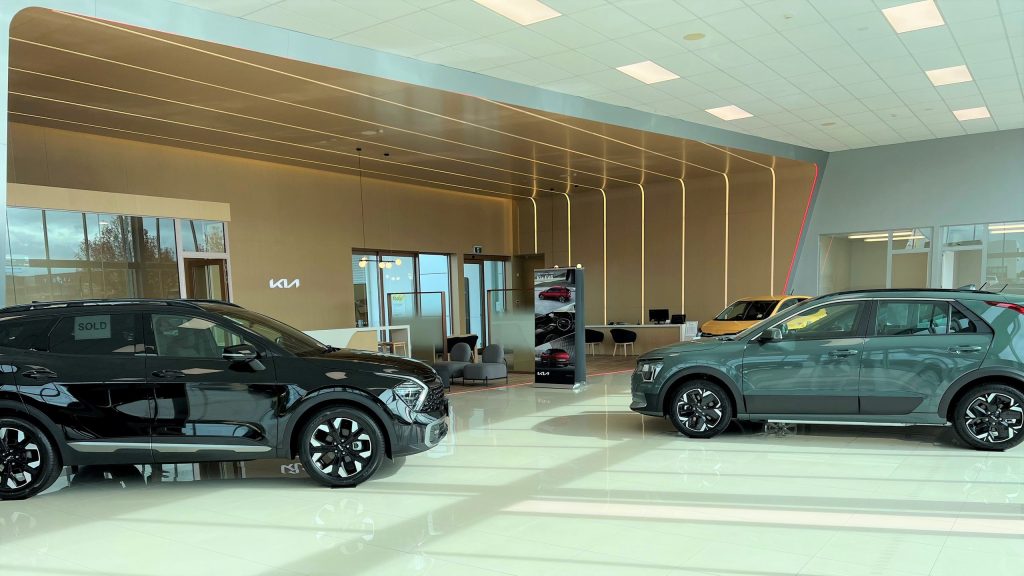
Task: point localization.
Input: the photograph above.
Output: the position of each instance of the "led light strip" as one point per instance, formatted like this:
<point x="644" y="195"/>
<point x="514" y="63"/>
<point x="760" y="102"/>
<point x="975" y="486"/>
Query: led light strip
<point x="335" y="87"/>
<point x="254" y="152"/>
<point x="682" y="251"/>
<point x="335" y="114"/>
<point x="726" y="176"/>
<point x="643" y="253"/>
<point x="568" y="226"/>
<point x="265" y="139"/>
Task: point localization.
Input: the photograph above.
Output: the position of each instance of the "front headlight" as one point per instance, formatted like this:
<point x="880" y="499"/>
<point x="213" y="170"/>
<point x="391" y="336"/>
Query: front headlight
<point x="413" y="393"/>
<point x="649" y="369"/>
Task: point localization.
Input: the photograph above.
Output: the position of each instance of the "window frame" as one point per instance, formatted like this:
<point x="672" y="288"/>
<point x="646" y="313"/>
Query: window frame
<point x="876" y="306"/>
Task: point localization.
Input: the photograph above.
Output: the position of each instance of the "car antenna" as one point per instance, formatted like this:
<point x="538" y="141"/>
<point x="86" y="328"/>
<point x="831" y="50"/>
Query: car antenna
<point x="982" y="287"/>
<point x="1003" y="288"/>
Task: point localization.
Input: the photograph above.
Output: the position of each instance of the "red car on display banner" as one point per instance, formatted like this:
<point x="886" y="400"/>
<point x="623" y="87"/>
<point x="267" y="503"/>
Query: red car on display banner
<point x="560" y="293"/>
<point x="554" y="357"/>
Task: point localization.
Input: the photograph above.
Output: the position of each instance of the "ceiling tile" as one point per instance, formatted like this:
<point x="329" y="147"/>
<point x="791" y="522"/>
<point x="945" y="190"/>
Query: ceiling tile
<point x="848" y="107"/>
<point x="473" y="16"/>
<point x="854" y="74"/>
<point x="920" y="96"/>
<point x="939" y="59"/>
<point x="230" y="7"/>
<point x="908" y="82"/>
<point x="867" y="89"/>
<point x="928" y="40"/>
<point x="776" y="88"/>
<point x="832" y="9"/>
<point x="399" y="39"/>
<point x="677" y="33"/>
<point x="981" y="52"/>
<point x="830" y="95"/>
<point x="896" y="66"/>
<point x="380" y="10"/>
<point x="652" y="44"/>
<point x="754" y="72"/>
<point x="769" y="46"/>
<point x="882" y="101"/>
<point x="974" y="31"/>
<point x="788" y="14"/>
<point x="957" y="91"/>
<point x="739" y="24"/>
<point x="574" y="86"/>
<point x="568" y="32"/>
<point x="611" y="53"/>
<point x="998" y="84"/>
<point x="881" y="48"/>
<point x="726" y="55"/>
<point x="810" y="38"/>
<point x="528" y="42"/>
<point x="682" y="87"/>
<point x="814" y="81"/>
<point x="656" y="13"/>
<point x="294" y="15"/>
<point x="686" y="64"/>
<point x="794" y="65"/>
<point x="573" y="6"/>
<point x="609" y="21"/>
<point x="704" y="8"/>
<point x="835" y="57"/>
<point x="429" y="25"/>
<point x="862" y="27"/>
<point x="575" y="61"/>
<point x="714" y="81"/>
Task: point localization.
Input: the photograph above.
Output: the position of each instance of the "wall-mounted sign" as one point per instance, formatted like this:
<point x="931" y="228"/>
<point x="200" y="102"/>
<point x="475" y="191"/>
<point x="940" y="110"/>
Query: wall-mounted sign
<point x="478" y="249"/>
<point x="284" y="283"/>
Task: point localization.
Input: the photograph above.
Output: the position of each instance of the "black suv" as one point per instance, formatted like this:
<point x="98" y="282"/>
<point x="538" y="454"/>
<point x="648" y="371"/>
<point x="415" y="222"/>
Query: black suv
<point x="175" y="381"/>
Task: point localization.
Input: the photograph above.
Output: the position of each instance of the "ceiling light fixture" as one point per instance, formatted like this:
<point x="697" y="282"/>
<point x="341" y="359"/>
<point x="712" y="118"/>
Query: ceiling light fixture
<point x="523" y="12"/>
<point x="951" y="75"/>
<point x="729" y="112"/>
<point x="648" y="72"/>
<point x="972" y="113"/>
<point x="694" y="37"/>
<point x="1005" y="226"/>
<point x="914" y="16"/>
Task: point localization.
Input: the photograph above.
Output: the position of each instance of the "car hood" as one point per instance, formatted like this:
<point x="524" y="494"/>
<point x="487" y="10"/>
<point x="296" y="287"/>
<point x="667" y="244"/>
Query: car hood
<point x="684" y="347"/>
<point x="374" y="362"/>
<point x="719" y="327"/>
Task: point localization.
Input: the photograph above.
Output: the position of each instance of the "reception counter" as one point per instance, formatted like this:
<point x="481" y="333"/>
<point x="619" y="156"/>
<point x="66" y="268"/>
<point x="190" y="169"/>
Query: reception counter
<point x="648" y="336"/>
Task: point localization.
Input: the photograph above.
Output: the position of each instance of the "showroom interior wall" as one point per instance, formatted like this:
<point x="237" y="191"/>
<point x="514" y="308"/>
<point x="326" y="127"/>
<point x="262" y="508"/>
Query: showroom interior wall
<point x="286" y="222"/>
<point x="971" y="179"/>
<point x="684" y="253"/>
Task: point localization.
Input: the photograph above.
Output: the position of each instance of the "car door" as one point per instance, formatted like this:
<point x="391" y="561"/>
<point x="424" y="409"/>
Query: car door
<point x="814" y="368"/>
<point x="208" y="408"/>
<point x="915" y="349"/>
<point x="88" y="375"/>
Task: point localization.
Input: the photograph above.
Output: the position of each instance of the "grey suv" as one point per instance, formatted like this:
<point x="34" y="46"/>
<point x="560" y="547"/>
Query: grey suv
<point x="879" y="356"/>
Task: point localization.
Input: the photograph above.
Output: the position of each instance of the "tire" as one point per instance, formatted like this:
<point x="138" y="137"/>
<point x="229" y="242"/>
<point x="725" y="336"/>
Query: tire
<point x="562" y="299"/>
<point x="990" y="417"/>
<point x="714" y="409"/>
<point x="29" y="462"/>
<point x="341" y="464"/>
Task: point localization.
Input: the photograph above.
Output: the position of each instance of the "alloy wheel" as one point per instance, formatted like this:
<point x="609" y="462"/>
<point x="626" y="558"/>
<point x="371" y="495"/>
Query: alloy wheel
<point x="340" y="447"/>
<point x="994" y="417"/>
<point x="21" y="459"/>
<point x="699" y="409"/>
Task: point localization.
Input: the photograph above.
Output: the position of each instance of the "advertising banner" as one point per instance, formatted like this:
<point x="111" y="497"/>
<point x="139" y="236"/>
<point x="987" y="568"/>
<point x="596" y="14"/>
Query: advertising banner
<point x="560" y="359"/>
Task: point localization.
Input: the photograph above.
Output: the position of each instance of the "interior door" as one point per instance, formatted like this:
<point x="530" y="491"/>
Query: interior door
<point x="914" y="351"/>
<point x="813" y="369"/>
<point x="206" y="279"/>
<point x="88" y="375"/>
<point x="207" y="407"/>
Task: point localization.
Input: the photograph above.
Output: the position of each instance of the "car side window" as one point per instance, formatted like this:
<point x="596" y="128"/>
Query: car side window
<point x="959" y="323"/>
<point x="184" y="336"/>
<point x="96" y="334"/>
<point x="787" y="304"/>
<point x="837" y="320"/>
<point x="26" y="332"/>
<point x="911" y="318"/>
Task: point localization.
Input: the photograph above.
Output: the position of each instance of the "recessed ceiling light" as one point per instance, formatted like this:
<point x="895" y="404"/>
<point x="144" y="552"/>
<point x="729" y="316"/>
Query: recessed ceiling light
<point x="693" y="37"/>
<point x="523" y="12"/>
<point x="971" y="113"/>
<point x="648" y="72"/>
<point x="915" y="16"/>
<point x="729" y="112"/>
<point x="951" y="75"/>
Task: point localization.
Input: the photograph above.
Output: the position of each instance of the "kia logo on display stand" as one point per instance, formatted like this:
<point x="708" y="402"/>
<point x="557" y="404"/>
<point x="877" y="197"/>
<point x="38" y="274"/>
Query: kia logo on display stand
<point x="284" y="283"/>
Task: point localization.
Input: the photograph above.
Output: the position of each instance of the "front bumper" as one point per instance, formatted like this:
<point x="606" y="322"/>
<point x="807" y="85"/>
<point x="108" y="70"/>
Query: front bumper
<point x="645" y="396"/>
<point x="426" y="432"/>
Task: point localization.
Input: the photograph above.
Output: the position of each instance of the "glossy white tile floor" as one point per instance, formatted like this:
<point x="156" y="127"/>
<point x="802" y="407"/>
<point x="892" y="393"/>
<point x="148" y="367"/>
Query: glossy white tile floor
<point x="539" y="482"/>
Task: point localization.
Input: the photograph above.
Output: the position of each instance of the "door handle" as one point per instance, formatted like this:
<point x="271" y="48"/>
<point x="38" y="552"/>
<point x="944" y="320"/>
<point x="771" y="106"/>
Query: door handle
<point x="169" y="374"/>
<point x="843" y="353"/>
<point x="40" y="374"/>
<point x="964" y="349"/>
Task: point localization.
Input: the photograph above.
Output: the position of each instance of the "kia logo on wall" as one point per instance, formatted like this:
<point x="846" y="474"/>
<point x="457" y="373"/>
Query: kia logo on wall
<point x="284" y="283"/>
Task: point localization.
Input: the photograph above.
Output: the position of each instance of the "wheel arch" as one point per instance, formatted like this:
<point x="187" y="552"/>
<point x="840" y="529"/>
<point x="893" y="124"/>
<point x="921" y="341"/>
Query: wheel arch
<point x="53" y="433"/>
<point x="961" y="386"/>
<point x="712" y="374"/>
<point x="340" y="397"/>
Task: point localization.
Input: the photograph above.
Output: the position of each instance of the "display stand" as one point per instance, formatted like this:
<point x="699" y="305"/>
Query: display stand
<point x="560" y="328"/>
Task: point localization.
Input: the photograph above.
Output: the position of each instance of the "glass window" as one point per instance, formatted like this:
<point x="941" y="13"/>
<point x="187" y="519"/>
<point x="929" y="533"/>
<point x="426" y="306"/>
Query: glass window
<point x="895" y="318"/>
<point x="96" y="334"/>
<point x="1004" y="263"/>
<point x="852" y="262"/>
<point x="26" y="333"/>
<point x="789" y="304"/>
<point x="744" y="310"/>
<point x="837" y="320"/>
<point x="182" y="336"/>
<point x="202" y="236"/>
<point x="25" y="231"/>
<point x="65" y="235"/>
<point x="960" y="323"/>
<point x="434" y="277"/>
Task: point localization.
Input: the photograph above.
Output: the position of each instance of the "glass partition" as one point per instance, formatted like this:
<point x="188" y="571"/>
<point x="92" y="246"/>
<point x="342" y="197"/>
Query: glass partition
<point x="511" y="324"/>
<point x="424" y="313"/>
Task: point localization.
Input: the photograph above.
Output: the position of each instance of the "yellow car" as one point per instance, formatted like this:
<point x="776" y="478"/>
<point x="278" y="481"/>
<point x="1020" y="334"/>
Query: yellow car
<point x="746" y="312"/>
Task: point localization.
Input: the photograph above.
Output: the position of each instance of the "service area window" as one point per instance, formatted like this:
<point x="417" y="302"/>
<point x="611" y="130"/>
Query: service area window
<point x="911" y="318"/>
<point x="26" y="333"/>
<point x="96" y="334"/>
<point x="837" y="320"/>
<point x="182" y="336"/>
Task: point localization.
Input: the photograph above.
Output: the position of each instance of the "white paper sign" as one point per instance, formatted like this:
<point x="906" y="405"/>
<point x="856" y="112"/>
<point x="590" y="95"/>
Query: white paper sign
<point x="92" y="327"/>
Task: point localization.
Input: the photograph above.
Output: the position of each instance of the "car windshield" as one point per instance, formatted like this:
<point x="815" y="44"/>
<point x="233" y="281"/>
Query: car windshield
<point x="746" y="310"/>
<point x="284" y="335"/>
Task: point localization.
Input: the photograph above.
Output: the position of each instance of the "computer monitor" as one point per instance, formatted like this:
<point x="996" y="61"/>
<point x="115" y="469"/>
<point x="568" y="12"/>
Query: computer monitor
<point x="658" y="315"/>
<point x="678" y="319"/>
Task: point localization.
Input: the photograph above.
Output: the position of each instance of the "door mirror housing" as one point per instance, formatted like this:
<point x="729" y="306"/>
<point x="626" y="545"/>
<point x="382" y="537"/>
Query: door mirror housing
<point x="240" y="353"/>
<point x="770" y="335"/>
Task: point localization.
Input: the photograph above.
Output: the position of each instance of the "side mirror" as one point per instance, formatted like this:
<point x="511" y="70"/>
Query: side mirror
<point x="770" y="335"/>
<point x="240" y="353"/>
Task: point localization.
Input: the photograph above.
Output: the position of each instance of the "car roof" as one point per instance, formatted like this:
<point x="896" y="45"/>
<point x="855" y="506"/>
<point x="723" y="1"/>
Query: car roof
<point x="769" y="297"/>
<point x="66" y="304"/>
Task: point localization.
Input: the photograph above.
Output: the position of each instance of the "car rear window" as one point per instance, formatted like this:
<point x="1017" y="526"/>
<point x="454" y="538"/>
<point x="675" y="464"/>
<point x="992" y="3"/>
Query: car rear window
<point x="25" y="332"/>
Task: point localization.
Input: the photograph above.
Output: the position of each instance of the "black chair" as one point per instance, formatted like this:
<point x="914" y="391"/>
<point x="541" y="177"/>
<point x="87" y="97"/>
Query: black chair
<point x="592" y="339"/>
<point x="678" y="319"/>
<point x="624" y="338"/>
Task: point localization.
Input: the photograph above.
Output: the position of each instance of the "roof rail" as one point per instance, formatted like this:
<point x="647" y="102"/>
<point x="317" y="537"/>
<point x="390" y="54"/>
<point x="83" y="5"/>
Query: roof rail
<point x="211" y="301"/>
<point x="874" y="290"/>
<point x="101" y="302"/>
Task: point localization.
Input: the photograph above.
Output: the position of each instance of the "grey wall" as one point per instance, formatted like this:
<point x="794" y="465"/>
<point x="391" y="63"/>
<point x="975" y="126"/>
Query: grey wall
<point x="969" y="179"/>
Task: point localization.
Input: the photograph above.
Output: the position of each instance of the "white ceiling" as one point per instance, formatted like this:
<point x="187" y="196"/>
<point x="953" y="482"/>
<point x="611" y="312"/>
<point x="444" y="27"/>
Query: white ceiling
<point x="826" y="74"/>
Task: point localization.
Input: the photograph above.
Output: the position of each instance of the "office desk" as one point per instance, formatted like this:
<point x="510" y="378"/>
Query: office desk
<point x="648" y="336"/>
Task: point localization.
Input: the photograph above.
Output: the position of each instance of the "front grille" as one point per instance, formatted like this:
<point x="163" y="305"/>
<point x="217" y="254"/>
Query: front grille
<point x="435" y="399"/>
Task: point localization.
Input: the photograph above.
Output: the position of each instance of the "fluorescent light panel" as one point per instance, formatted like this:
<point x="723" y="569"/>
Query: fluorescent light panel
<point x="523" y="12"/>
<point x="951" y="75"/>
<point x="972" y="113"/>
<point x="648" y="72"/>
<point x="1005" y="226"/>
<point x="897" y="238"/>
<point x="729" y="112"/>
<point x="915" y="16"/>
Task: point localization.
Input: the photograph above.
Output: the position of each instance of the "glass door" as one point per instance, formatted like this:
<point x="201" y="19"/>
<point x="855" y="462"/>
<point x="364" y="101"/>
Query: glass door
<point x="473" y="297"/>
<point x="206" y="279"/>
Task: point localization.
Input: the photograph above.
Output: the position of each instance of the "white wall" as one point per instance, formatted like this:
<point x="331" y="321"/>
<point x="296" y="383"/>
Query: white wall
<point x="969" y="179"/>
